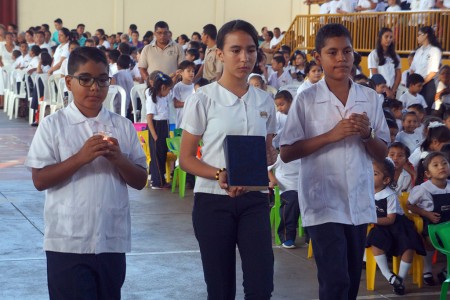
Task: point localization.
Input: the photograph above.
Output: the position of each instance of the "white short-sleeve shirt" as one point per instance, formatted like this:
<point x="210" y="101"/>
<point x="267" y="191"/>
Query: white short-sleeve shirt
<point x="410" y="140"/>
<point x="336" y="181"/>
<point x="393" y="205"/>
<point x="160" y="109"/>
<point x="181" y="92"/>
<point x="90" y="211"/>
<point x="286" y="174"/>
<point x="387" y="70"/>
<point x="408" y="99"/>
<point x="214" y="112"/>
<point x="421" y="195"/>
<point x="60" y="52"/>
<point x="284" y="79"/>
<point x="426" y="60"/>
<point x="445" y="99"/>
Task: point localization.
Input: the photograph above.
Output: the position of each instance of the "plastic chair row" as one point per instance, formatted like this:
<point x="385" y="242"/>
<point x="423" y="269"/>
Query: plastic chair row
<point x="440" y="238"/>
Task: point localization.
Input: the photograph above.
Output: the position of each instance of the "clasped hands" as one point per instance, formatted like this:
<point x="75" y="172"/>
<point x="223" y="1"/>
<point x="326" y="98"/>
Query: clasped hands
<point x="356" y="124"/>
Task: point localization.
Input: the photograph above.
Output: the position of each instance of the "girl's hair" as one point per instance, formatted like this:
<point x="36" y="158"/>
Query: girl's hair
<point x="151" y="77"/>
<point x="46" y="59"/>
<point x="441" y="134"/>
<point x="236" y="25"/>
<point x="390" y="50"/>
<point x="298" y="52"/>
<point x="67" y="33"/>
<point x="260" y="55"/>
<point x="160" y="80"/>
<point x="388" y="169"/>
<point x="424" y="164"/>
<point x="432" y="39"/>
<point x="201" y="82"/>
<point x="309" y="65"/>
<point x="401" y="146"/>
<point x="286" y="95"/>
<point x="258" y="77"/>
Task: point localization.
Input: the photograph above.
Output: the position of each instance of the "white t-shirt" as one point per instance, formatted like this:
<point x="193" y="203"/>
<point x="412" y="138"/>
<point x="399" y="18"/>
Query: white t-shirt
<point x="160" y="109"/>
<point x="277" y="82"/>
<point x="421" y="195"/>
<point x="34" y="62"/>
<point x="7" y="57"/>
<point x="90" y="211"/>
<point x="336" y="181"/>
<point x="410" y="140"/>
<point x="181" y="92"/>
<point x="408" y="99"/>
<point x="275" y="41"/>
<point x="426" y="60"/>
<point x="214" y="112"/>
<point x="387" y="70"/>
<point x="286" y="174"/>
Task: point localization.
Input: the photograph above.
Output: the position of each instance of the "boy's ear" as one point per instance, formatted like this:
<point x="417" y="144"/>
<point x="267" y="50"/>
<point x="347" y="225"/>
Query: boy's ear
<point x="68" y="80"/>
<point x="317" y="58"/>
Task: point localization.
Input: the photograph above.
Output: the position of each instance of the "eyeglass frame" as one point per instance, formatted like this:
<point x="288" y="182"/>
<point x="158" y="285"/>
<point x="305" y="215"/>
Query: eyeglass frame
<point x="94" y="80"/>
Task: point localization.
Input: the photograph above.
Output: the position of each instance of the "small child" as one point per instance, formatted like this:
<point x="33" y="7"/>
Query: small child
<point x="443" y="89"/>
<point x="380" y="86"/>
<point x="393" y="129"/>
<point x="313" y="74"/>
<point x="411" y="96"/>
<point x="279" y="77"/>
<point x="283" y="101"/>
<point x="396" y="108"/>
<point x="420" y="113"/>
<point x="85" y="175"/>
<point x="297" y="68"/>
<point x="399" y="154"/>
<point x="393" y="233"/>
<point x="124" y="79"/>
<point x="183" y="89"/>
<point x="157" y="102"/>
<point x="408" y="136"/>
<point x="193" y="55"/>
<point x="406" y="73"/>
<point x="429" y="199"/>
<point x="113" y="56"/>
<point x="34" y="62"/>
<point x="257" y="80"/>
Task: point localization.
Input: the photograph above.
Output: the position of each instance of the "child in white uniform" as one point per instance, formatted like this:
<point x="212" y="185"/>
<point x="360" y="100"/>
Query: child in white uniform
<point x="183" y="89"/>
<point x="399" y="154"/>
<point x="408" y="136"/>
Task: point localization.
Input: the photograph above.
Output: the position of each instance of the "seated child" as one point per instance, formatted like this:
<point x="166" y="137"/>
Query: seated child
<point x="113" y="56"/>
<point x="393" y="129"/>
<point x="279" y="77"/>
<point x="380" y="86"/>
<point x="428" y="199"/>
<point x="408" y="136"/>
<point x="420" y="113"/>
<point x="313" y="74"/>
<point x="257" y="80"/>
<point x="396" y="108"/>
<point x="412" y="96"/>
<point x="399" y="154"/>
<point x="124" y="79"/>
<point x="393" y="234"/>
<point x="443" y="88"/>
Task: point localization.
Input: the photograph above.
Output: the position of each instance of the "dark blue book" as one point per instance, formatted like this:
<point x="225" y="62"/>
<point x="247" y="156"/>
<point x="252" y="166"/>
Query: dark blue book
<point x="246" y="161"/>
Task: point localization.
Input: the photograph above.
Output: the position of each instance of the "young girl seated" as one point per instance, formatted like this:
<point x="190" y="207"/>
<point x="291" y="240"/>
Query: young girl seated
<point x="313" y="74"/>
<point x="429" y="200"/>
<point x="393" y="233"/>
<point x="297" y="67"/>
<point x="399" y="154"/>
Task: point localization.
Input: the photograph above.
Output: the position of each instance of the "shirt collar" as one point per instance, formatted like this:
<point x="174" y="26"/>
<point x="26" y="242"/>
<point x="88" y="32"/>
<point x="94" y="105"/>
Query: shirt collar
<point x="226" y="98"/>
<point x="153" y="44"/>
<point x="384" y="193"/>
<point x="325" y="95"/>
<point x="75" y="116"/>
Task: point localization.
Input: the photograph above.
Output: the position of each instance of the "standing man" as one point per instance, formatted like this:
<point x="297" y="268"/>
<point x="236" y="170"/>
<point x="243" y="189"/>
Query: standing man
<point x="81" y="37"/>
<point x="212" y="66"/>
<point x="58" y="26"/>
<point x="161" y="54"/>
<point x="277" y="37"/>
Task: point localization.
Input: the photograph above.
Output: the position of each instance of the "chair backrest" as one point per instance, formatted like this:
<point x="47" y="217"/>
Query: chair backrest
<point x="440" y="236"/>
<point x="61" y="86"/>
<point x="53" y="89"/>
<point x="109" y="101"/>
<point x="173" y="144"/>
<point x="137" y="91"/>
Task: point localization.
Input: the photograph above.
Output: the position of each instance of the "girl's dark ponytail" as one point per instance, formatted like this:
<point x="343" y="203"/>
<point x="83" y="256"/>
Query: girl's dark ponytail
<point x="161" y="80"/>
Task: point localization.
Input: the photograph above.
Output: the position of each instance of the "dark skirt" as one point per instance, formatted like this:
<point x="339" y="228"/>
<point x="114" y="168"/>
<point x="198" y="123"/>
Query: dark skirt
<point x="395" y="239"/>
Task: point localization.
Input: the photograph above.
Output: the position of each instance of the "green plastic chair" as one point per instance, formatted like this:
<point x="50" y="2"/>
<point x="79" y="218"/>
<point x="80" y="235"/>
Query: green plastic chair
<point x="440" y="238"/>
<point x="179" y="176"/>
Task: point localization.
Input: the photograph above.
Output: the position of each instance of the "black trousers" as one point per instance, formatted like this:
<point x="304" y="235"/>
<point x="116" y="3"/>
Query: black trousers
<point x="220" y="223"/>
<point x="85" y="276"/>
<point x="289" y="213"/>
<point x="428" y="92"/>
<point x="158" y="152"/>
<point x="338" y="252"/>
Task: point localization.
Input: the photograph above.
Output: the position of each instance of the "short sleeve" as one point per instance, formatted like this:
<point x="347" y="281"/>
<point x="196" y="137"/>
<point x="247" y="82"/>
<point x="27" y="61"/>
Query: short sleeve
<point x="393" y="206"/>
<point x="372" y="60"/>
<point x="435" y="60"/>
<point x="177" y="92"/>
<point x="416" y="195"/>
<point x="150" y="105"/>
<point x="380" y="125"/>
<point x="42" y="151"/>
<point x="293" y="130"/>
<point x="195" y="108"/>
<point x="143" y="59"/>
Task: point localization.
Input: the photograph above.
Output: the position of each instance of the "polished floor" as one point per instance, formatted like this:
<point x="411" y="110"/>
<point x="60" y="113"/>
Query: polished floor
<point x="165" y="260"/>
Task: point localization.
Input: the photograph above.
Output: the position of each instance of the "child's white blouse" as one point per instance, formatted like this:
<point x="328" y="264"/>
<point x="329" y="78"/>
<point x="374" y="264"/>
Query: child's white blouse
<point x="421" y="195"/>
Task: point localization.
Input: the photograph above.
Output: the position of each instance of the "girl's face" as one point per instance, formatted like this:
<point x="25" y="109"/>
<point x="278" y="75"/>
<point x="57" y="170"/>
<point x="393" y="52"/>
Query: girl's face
<point x="444" y="76"/>
<point x="380" y="181"/>
<point x="299" y="60"/>
<point x="256" y="82"/>
<point x="421" y="38"/>
<point x="282" y="105"/>
<point x="398" y="155"/>
<point x="438" y="168"/>
<point x="386" y="39"/>
<point x="165" y="90"/>
<point x="62" y="38"/>
<point x="314" y="74"/>
<point x="238" y="55"/>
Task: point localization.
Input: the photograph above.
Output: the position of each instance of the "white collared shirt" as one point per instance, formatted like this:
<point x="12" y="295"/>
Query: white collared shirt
<point x="306" y="84"/>
<point x="409" y="99"/>
<point x="286" y="174"/>
<point x="284" y="79"/>
<point x="387" y="70"/>
<point x="393" y="205"/>
<point x="213" y="112"/>
<point x="160" y="109"/>
<point x="426" y="60"/>
<point x="336" y="181"/>
<point x="421" y="195"/>
<point x="181" y="92"/>
<point x="90" y="211"/>
<point x="410" y="140"/>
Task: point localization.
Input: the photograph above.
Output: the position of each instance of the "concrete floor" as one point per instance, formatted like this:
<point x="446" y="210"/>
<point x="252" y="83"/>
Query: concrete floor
<point x="165" y="260"/>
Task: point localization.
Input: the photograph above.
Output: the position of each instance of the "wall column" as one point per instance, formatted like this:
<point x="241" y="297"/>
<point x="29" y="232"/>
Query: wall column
<point x="118" y="17"/>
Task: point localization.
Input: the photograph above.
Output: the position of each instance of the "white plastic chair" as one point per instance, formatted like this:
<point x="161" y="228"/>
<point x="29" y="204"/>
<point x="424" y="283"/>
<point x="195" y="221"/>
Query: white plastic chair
<point x="4" y="87"/>
<point x="109" y="101"/>
<point x="17" y="76"/>
<point x="400" y="91"/>
<point x="138" y="91"/>
<point x="29" y="78"/>
<point x="46" y="94"/>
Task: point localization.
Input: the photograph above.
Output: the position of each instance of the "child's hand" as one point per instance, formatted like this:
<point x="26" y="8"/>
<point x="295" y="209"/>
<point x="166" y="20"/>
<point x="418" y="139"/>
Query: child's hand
<point x="94" y="147"/>
<point x="155" y="137"/>
<point x="433" y="217"/>
<point x="361" y="121"/>
<point x="343" y="129"/>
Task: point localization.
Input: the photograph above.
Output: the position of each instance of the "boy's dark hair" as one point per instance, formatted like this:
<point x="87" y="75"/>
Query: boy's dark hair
<point x="393" y="103"/>
<point x="402" y="146"/>
<point x="114" y="55"/>
<point x="101" y="31"/>
<point x="414" y="78"/>
<point x="186" y="64"/>
<point x="194" y="52"/>
<point x="407" y="114"/>
<point x="16" y="53"/>
<point x="418" y="107"/>
<point x="74" y="43"/>
<point x="46" y="26"/>
<point x="196" y="34"/>
<point x="424" y="164"/>
<point x="330" y="31"/>
<point x="440" y="134"/>
<point x="160" y="80"/>
<point x="46" y="58"/>
<point x="236" y="25"/>
<point x="360" y="76"/>
<point x="59" y="21"/>
<point x="133" y="27"/>
<point x="124" y="48"/>
<point x="270" y="34"/>
<point x="279" y="60"/>
<point x="30" y="32"/>
<point x="82" y="55"/>
<point x="90" y="40"/>
<point x="211" y="31"/>
<point x="286" y="95"/>
<point x="194" y="45"/>
<point x="124" y="61"/>
<point x="201" y="82"/>
<point x="81" y="25"/>
<point x="148" y="34"/>
<point x="184" y="37"/>
<point x="35" y="49"/>
<point x="285" y="49"/>
<point x="161" y="24"/>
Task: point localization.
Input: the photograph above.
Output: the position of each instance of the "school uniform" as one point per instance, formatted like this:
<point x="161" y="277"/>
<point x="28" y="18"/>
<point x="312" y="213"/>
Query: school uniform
<point x="403" y="183"/>
<point x="181" y="92"/>
<point x="445" y="99"/>
<point x="410" y="140"/>
<point x="221" y="222"/>
<point x="409" y="99"/>
<point x="335" y="183"/>
<point x="398" y="237"/>
<point x="387" y="70"/>
<point x="158" y="148"/>
<point x="62" y="51"/>
<point x="306" y="84"/>
<point x="279" y="81"/>
<point x="429" y="197"/>
<point x="281" y="120"/>
<point x="87" y="217"/>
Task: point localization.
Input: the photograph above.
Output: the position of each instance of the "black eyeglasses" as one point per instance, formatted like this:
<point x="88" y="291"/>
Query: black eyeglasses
<point x="88" y="81"/>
